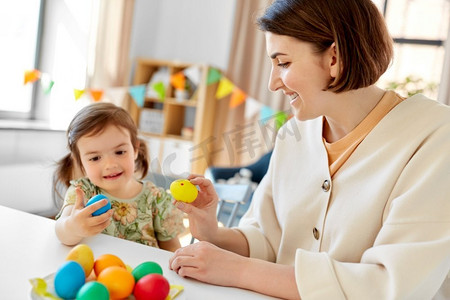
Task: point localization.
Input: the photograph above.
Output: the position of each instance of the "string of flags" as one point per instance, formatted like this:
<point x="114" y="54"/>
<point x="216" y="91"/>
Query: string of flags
<point x="186" y="80"/>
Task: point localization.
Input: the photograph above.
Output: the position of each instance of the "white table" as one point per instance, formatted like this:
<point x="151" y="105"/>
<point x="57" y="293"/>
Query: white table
<point x="29" y="248"/>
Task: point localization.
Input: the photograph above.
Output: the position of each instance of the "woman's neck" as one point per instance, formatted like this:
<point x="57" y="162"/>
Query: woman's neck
<point x="348" y="110"/>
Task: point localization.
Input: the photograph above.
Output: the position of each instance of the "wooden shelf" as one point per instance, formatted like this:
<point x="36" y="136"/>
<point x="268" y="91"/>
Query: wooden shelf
<point x="197" y="113"/>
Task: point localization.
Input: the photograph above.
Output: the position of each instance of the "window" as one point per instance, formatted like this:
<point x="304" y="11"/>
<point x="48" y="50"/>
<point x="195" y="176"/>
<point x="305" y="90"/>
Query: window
<point x="419" y="29"/>
<point x="20" y="25"/>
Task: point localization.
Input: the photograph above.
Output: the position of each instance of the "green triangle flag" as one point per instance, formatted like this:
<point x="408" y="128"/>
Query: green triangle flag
<point x="280" y="119"/>
<point x="214" y="76"/>
<point x="159" y="88"/>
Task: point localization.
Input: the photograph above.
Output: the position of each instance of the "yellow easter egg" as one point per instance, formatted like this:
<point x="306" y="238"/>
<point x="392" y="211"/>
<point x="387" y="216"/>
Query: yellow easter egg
<point x="83" y="255"/>
<point x="183" y="190"/>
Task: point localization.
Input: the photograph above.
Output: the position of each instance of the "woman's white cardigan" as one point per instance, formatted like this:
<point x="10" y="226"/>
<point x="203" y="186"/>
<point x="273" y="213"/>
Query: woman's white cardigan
<point x="380" y="228"/>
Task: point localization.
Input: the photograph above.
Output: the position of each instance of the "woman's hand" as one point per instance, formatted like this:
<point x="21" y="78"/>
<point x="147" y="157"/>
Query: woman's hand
<point x="211" y="264"/>
<point x="77" y="221"/>
<point x="208" y="263"/>
<point x="202" y="212"/>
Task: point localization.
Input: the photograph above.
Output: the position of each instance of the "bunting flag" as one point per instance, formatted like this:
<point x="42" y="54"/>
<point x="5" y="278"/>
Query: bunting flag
<point x="214" y="76"/>
<point x="265" y="114"/>
<point x="252" y="107"/>
<point x="225" y="88"/>
<point x="280" y="118"/>
<point x="237" y="98"/>
<point x="31" y="76"/>
<point x="157" y="88"/>
<point x="78" y="93"/>
<point x="46" y="83"/>
<point x="96" y="95"/>
<point x="160" y="90"/>
<point x="137" y="92"/>
<point x="116" y="95"/>
<point x="178" y="81"/>
<point x="194" y="74"/>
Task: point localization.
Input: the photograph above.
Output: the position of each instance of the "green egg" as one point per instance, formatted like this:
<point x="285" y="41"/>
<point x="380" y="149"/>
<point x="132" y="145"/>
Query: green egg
<point x="93" y="290"/>
<point x="145" y="268"/>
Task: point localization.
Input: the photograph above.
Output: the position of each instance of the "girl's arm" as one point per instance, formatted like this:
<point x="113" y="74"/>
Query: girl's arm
<point x="170" y="245"/>
<point x="208" y="263"/>
<point x="76" y="221"/>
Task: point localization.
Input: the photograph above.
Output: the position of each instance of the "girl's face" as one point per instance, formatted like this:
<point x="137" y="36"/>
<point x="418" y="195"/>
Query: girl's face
<point x="301" y="74"/>
<point x="108" y="160"/>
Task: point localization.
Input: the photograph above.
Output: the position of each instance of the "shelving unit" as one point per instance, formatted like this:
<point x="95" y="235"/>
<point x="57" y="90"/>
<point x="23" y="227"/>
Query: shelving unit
<point x="173" y="117"/>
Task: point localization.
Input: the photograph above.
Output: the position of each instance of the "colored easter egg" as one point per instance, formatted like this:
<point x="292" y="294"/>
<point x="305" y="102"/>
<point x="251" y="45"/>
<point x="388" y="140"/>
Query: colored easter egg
<point x="145" y="268"/>
<point x="83" y="255"/>
<point x="93" y="290"/>
<point x="107" y="260"/>
<point x="152" y="286"/>
<point x="69" y="278"/>
<point x="101" y="210"/>
<point x="118" y="281"/>
<point x="183" y="190"/>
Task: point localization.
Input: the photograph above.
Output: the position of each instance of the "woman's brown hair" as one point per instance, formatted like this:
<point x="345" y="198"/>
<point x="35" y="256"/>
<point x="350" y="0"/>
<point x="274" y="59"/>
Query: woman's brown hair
<point x="363" y="44"/>
<point x="92" y="120"/>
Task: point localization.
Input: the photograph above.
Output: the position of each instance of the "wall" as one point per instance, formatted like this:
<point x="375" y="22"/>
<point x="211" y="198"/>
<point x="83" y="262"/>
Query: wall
<point x="195" y="31"/>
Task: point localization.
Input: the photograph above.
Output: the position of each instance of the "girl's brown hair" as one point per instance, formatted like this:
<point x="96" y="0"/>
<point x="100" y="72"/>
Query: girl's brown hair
<point x="363" y="44"/>
<point x="92" y="120"/>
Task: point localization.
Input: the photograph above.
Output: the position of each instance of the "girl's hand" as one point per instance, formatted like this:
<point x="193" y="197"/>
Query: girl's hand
<point x="81" y="222"/>
<point x="208" y="263"/>
<point x="202" y="212"/>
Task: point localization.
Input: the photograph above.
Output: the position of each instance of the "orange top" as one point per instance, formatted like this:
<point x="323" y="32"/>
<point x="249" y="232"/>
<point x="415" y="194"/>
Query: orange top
<point x="340" y="151"/>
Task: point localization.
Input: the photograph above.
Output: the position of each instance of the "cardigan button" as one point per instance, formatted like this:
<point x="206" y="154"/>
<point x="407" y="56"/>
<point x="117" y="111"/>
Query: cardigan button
<point x="316" y="233"/>
<point x="326" y="185"/>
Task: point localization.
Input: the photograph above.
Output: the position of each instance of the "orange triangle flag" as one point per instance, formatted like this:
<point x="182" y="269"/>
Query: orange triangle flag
<point x="78" y="93"/>
<point x="31" y="76"/>
<point x="178" y="81"/>
<point x="237" y="97"/>
<point x="96" y="94"/>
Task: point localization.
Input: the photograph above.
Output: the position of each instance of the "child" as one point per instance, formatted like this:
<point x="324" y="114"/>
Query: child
<point x="106" y="151"/>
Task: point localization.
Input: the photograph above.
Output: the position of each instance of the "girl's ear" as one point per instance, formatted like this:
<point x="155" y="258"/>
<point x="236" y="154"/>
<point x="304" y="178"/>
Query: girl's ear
<point x="333" y="61"/>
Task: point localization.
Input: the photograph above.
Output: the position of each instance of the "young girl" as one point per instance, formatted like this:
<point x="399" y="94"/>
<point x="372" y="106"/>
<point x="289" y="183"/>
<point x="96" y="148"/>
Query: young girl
<point x="105" y="156"/>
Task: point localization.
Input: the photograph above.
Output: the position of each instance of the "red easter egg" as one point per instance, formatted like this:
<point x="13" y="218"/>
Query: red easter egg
<point x="152" y="286"/>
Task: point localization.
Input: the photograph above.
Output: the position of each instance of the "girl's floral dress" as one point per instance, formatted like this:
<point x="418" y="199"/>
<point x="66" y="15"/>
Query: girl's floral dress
<point x="148" y="218"/>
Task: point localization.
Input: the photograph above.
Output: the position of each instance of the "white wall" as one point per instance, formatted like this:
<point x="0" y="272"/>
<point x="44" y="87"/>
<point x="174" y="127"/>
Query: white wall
<point x="193" y="31"/>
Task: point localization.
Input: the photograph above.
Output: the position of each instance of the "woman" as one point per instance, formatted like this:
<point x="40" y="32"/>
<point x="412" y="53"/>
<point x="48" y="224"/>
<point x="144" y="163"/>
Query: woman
<point x="357" y="205"/>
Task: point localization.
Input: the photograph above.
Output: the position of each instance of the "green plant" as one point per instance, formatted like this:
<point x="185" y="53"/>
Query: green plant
<point x="412" y="85"/>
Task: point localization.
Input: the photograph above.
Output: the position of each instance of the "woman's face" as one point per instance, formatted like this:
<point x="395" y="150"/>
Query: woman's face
<point x="300" y="73"/>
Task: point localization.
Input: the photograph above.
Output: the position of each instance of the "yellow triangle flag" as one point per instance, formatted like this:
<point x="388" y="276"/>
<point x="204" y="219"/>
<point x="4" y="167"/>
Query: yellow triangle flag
<point x="178" y="81"/>
<point x="31" y="76"/>
<point x="225" y="88"/>
<point x="237" y="97"/>
<point x="78" y="93"/>
<point x="96" y="94"/>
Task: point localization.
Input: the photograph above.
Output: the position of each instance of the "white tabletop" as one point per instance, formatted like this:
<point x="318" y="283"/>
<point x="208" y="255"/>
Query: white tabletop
<point x="29" y="248"/>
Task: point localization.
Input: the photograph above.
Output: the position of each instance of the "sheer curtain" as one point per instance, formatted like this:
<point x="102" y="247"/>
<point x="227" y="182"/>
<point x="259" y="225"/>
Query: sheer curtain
<point x="109" y="63"/>
<point x="241" y="140"/>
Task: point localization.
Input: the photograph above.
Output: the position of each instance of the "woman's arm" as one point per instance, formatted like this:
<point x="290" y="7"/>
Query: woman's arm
<point x="76" y="221"/>
<point x="208" y="263"/>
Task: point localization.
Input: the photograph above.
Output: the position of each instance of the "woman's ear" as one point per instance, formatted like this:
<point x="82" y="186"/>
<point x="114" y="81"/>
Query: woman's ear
<point x="333" y="61"/>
